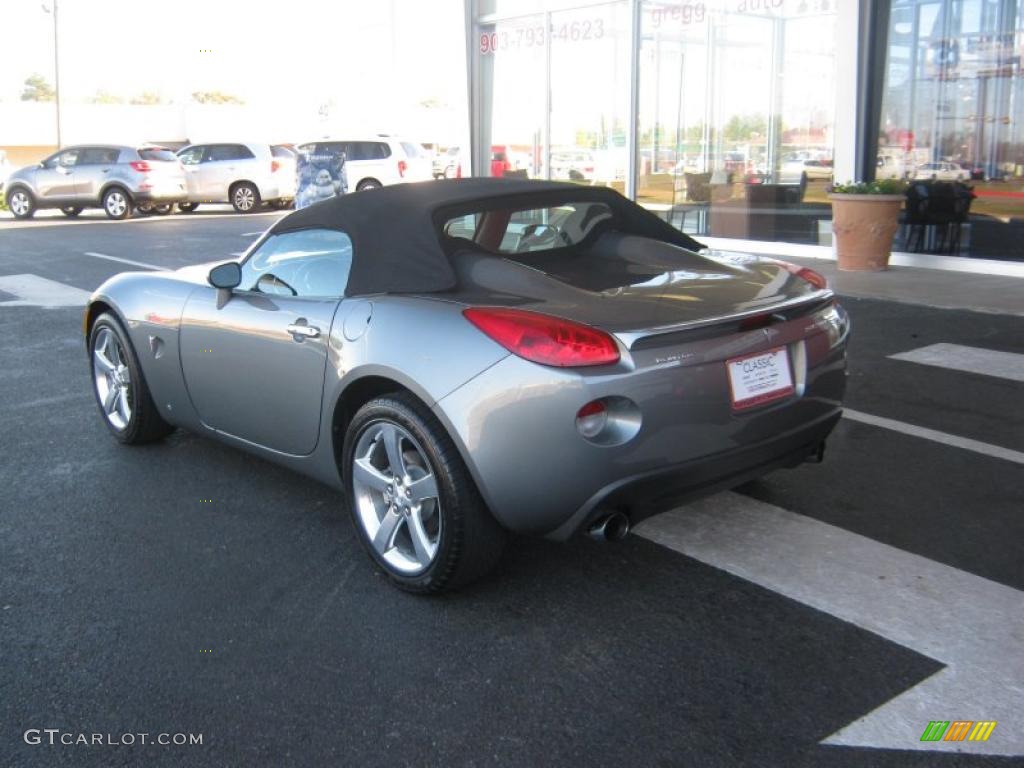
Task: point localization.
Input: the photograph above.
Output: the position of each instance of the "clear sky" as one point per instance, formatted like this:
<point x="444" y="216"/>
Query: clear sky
<point x="382" y="55"/>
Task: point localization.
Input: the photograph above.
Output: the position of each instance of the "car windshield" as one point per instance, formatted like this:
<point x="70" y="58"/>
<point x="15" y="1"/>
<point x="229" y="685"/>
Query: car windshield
<point x="530" y="230"/>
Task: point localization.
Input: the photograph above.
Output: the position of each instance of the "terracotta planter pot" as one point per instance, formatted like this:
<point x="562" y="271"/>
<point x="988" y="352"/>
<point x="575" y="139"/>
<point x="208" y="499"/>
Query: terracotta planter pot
<point x="864" y="226"/>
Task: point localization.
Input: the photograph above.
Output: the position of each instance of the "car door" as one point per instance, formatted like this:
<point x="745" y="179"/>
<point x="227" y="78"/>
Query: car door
<point x="222" y="167"/>
<point x="55" y="180"/>
<point x="93" y="168"/>
<point x="191" y="158"/>
<point x="254" y="364"/>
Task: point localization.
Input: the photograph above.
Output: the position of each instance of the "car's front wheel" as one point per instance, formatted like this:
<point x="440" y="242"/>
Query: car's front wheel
<point x="245" y="197"/>
<point x="21" y="203"/>
<point x="413" y="502"/>
<point x="117" y="204"/>
<point x="187" y="207"/>
<point x="120" y="388"/>
<point x="368" y="184"/>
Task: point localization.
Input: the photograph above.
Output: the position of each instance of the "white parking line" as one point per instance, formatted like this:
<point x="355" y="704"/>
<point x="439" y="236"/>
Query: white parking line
<point x="957" y="357"/>
<point x="971" y="624"/>
<point x="251" y="234"/>
<point x="36" y="291"/>
<point x="126" y="261"/>
<point x="987" y="449"/>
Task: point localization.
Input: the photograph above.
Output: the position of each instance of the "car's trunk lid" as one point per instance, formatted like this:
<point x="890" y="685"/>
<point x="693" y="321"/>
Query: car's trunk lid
<point x="641" y="289"/>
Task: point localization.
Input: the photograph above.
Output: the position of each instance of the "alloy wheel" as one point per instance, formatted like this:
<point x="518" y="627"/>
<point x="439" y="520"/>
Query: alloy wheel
<point x="112" y="378"/>
<point x="396" y="497"/>
<point x="20" y="203"/>
<point x="116" y="203"/>
<point x="244" y="199"/>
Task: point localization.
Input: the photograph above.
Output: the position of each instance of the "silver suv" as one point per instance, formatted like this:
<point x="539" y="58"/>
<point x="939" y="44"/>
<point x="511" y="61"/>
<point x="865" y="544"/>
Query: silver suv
<point x="114" y="178"/>
<point x="244" y="175"/>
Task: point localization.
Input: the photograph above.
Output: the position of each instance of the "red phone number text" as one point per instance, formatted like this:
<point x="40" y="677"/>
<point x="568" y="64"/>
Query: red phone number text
<point x="530" y="37"/>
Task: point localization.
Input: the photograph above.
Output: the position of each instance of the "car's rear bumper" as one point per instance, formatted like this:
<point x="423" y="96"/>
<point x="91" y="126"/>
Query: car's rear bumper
<point x="160" y="196"/>
<point x="647" y="494"/>
<point x="515" y="426"/>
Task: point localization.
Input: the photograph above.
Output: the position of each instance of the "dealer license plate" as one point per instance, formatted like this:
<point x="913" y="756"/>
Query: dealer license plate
<point x="760" y="378"/>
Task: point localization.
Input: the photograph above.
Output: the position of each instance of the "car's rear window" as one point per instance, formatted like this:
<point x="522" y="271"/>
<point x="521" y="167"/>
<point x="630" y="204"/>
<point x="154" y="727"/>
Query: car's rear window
<point x="530" y="230"/>
<point x="279" y="151"/>
<point x="161" y="155"/>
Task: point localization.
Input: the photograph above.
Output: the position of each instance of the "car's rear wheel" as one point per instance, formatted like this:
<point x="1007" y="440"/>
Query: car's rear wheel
<point x="245" y="197"/>
<point x="282" y="204"/>
<point x="71" y="211"/>
<point x="163" y="209"/>
<point x="21" y="203"/>
<point x="117" y="204"/>
<point x="187" y="207"/>
<point x="412" y="500"/>
<point x="368" y="184"/>
<point x="120" y="388"/>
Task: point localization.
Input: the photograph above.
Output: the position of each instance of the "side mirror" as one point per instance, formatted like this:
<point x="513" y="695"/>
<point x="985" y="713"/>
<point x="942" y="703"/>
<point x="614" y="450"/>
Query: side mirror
<point x="226" y="276"/>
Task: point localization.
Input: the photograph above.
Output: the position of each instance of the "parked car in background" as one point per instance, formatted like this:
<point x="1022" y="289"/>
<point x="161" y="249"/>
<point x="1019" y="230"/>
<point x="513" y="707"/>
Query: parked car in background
<point x="5" y="169"/>
<point x="890" y="167"/>
<point x="793" y="168"/>
<point x="114" y="178"/>
<point x="377" y="161"/>
<point x="242" y="174"/>
<point x="445" y="164"/>
<point x="942" y="171"/>
<point x="574" y="165"/>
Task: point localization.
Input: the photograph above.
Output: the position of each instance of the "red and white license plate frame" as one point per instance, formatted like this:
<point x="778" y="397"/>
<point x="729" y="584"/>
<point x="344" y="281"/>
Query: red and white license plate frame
<point x="755" y="383"/>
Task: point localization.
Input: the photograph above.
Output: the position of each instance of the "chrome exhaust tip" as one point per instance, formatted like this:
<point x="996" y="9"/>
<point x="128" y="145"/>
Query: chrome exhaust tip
<point x="612" y="527"/>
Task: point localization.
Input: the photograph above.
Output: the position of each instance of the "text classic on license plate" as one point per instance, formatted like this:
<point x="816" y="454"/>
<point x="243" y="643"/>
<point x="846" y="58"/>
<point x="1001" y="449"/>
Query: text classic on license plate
<point x="759" y="378"/>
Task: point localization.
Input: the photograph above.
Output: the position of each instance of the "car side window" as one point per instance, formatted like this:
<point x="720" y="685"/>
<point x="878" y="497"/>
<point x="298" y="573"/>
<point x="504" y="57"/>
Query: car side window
<point x="66" y="159"/>
<point x="309" y="263"/>
<point x="98" y="156"/>
<point x="192" y="155"/>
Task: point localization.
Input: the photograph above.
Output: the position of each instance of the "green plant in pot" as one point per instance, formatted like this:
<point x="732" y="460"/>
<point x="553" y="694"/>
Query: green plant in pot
<point x="865" y="216"/>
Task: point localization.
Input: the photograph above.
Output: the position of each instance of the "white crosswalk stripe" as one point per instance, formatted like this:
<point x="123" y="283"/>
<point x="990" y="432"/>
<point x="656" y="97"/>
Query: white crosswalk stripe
<point x="36" y="291"/>
<point x="971" y="624"/>
<point x="957" y="357"/>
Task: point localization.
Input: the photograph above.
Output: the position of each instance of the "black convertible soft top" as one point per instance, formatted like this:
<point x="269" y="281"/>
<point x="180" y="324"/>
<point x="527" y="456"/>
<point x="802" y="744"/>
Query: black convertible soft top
<point x="396" y="230"/>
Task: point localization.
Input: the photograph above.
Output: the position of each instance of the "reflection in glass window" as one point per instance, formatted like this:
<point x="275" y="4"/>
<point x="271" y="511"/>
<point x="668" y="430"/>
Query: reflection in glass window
<point x="307" y="263"/>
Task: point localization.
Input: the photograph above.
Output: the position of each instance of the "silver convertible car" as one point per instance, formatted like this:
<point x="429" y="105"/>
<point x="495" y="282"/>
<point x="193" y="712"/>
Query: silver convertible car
<point x="464" y="358"/>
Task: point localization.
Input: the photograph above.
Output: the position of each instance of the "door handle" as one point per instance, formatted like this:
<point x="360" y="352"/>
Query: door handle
<point x="299" y="330"/>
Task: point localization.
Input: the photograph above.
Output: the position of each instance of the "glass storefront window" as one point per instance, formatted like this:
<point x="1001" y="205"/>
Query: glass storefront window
<point x="737" y="103"/>
<point x="953" y="112"/>
<point x="554" y="93"/>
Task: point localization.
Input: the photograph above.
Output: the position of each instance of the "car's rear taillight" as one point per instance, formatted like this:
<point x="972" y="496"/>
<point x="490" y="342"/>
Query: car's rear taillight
<point x="545" y="339"/>
<point x="141" y="166"/>
<point x="275" y="166"/>
<point x="816" y="279"/>
<point x="402" y="168"/>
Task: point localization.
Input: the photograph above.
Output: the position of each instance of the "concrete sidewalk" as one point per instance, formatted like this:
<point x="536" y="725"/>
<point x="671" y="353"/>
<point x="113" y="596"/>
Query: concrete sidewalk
<point x="996" y="294"/>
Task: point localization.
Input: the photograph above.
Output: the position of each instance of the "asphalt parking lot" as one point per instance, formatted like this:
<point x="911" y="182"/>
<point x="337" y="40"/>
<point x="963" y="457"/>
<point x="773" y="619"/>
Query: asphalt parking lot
<point x="820" y="616"/>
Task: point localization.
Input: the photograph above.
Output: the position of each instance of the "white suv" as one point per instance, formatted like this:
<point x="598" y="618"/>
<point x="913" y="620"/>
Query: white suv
<point x="244" y="175"/>
<point x="377" y="161"/>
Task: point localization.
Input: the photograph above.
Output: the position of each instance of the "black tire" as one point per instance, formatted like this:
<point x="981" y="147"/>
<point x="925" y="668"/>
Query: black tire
<point x="245" y="198"/>
<point x="144" y="209"/>
<point x="368" y="184"/>
<point x="117" y="203"/>
<point x="470" y="540"/>
<point x="21" y="202"/>
<point x="145" y="424"/>
<point x="187" y="207"/>
<point x="71" y="211"/>
<point x="282" y="205"/>
<point x="163" y="209"/>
